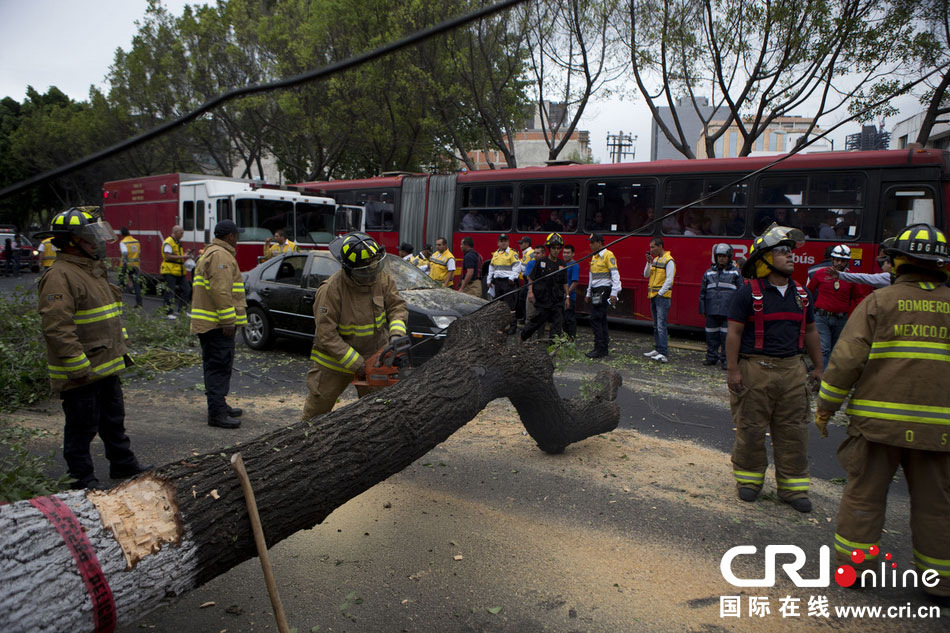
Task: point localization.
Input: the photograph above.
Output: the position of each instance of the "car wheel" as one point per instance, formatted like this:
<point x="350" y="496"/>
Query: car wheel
<point x="257" y="333"/>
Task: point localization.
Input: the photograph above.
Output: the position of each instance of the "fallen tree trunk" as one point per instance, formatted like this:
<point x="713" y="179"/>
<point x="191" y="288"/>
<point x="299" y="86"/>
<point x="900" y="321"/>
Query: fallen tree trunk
<point x="174" y="529"/>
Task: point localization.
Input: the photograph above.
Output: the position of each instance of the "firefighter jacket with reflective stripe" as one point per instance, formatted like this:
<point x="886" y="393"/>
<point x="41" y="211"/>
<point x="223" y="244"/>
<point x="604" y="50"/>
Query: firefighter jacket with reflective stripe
<point x="718" y="288"/>
<point x="353" y="321"/>
<point x="80" y="313"/>
<point x="895" y="353"/>
<point x="172" y="268"/>
<point x="441" y="265"/>
<point x="48" y="252"/>
<point x="603" y="273"/>
<point x="217" y="298"/>
<point x="279" y="249"/>
<point x="657" y="270"/>
<point x="504" y="265"/>
<point x="132" y="255"/>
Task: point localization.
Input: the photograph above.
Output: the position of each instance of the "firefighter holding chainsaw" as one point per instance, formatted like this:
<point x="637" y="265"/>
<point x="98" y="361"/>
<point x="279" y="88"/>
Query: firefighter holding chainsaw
<point x="357" y="311"/>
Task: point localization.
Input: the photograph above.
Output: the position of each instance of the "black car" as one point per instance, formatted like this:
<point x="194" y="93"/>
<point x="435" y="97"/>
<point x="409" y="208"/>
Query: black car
<point x="280" y="296"/>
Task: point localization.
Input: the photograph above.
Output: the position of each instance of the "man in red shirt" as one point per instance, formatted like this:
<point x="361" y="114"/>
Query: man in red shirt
<point x="833" y="299"/>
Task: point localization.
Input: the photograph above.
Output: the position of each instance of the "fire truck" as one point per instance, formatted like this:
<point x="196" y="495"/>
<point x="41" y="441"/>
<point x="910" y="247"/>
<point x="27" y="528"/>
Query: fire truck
<point x="150" y="206"/>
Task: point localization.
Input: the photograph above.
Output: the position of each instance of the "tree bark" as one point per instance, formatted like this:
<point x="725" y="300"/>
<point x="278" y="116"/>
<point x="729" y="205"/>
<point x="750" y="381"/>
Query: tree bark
<point x="169" y="531"/>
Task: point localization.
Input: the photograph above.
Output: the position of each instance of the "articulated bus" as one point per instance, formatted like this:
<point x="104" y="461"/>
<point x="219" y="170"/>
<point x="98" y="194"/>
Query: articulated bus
<point x="855" y="198"/>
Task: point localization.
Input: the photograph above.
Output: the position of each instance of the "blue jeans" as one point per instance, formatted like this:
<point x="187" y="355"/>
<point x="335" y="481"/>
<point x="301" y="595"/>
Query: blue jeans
<point x="660" y="308"/>
<point x="829" y="329"/>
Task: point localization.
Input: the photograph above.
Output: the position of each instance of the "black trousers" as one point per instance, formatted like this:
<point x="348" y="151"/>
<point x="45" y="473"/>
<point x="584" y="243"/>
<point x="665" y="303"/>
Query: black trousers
<point x="97" y="407"/>
<point x="598" y="318"/>
<point x="545" y="314"/>
<point x="180" y="288"/>
<point x="570" y="321"/>
<point x="217" y="356"/>
<point x="522" y="298"/>
<point x="130" y="274"/>
<point x="716" y="327"/>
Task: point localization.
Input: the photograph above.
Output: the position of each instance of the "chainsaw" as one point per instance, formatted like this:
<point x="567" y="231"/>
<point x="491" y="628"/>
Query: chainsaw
<point x="388" y="366"/>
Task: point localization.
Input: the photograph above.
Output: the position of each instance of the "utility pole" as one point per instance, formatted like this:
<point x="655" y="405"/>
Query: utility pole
<point x="620" y="146"/>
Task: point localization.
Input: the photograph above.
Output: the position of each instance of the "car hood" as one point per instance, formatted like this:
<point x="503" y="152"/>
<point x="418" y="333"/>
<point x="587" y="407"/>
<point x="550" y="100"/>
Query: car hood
<point x="442" y="300"/>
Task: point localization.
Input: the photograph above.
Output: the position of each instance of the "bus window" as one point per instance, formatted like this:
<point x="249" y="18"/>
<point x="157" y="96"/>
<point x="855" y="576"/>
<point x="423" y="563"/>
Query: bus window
<point x="486" y="208"/>
<point x="315" y="223"/>
<point x="620" y="206"/>
<point x="905" y="205"/>
<point x="260" y="218"/>
<point x="722" y="214"/>
<point x="549" y="207"/>
<point x="824" y="207"/>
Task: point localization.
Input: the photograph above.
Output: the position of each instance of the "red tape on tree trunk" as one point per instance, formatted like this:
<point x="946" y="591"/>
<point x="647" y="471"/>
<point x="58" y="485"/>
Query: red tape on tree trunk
<point x="66" y="523"/>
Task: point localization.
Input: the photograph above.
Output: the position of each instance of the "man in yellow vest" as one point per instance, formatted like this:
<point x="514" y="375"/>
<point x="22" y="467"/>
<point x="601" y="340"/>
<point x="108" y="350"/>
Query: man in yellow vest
<point x="442" y="264"/>
<point x="527" y="256"/>
<point x="603" y="286"/>
<point x="503" y="276"/>
<point x="279" y="246"/>
<point x="173" y="272"/>
<point x="660" y="269"/>
<point x="47" y="253"/>
<point x="131" y="250"/>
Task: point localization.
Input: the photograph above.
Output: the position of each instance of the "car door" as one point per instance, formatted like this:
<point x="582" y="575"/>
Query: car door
<point x="281" y="289"/>
<point x="320" y="267"/>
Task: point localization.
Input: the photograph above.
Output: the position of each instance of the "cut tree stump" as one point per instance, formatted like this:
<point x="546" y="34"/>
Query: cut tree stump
<point x="173" y="529"/>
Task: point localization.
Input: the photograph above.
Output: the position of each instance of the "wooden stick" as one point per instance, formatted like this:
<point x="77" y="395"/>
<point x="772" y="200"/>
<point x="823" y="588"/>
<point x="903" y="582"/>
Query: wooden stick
<point x="237" y="463"/>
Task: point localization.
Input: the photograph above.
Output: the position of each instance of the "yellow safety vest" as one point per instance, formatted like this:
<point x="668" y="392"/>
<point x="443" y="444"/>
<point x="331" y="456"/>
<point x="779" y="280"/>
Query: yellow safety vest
<point x="280" y="249"/>
<point x="49" y="253"/>
<point x="526" y="257"/>
<point x="134" y="251"/>
<point x="503" y="263"/>
<point x="438" y="264"/>
<point x="658" y="275"/>
<point x="172" y="268"/>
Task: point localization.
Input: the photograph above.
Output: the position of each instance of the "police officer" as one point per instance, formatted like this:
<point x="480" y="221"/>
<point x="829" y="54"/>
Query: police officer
<point x="357" y="310"/>
<point x="716" y="291"/>
<point x="85" y="346"/>
<point x="770" y="322"/>
<point x="503" y="271"/>
<point x="603" y="286"/>
<point x="219" y="307"/>
<point x="131" y="251"/>
<point x="893" y="353"/>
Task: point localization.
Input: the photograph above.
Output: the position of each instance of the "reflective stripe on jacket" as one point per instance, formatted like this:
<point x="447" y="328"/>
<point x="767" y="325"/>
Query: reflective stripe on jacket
<point x="81" y="322"/>
<point x="279" y="249"/>
<point x="353" y="321"/>
<point x="504" y="265"/>
<point x="603" y="272"/>
<point x="218" y="291"/>
<point x="134" y="250"/>
<point x="172" y="268"/>
<point x="895" y="353"/>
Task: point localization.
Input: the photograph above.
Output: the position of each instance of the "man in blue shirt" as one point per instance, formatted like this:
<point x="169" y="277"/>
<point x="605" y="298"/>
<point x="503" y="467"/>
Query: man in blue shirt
<point x="573" y="275"/>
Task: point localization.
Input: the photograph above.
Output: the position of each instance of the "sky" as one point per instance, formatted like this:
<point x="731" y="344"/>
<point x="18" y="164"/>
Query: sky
<point x="70" y="44"/>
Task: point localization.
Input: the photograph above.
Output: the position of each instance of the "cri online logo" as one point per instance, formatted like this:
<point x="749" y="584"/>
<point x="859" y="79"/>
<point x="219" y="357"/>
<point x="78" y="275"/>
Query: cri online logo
<point x="845" y="575"/>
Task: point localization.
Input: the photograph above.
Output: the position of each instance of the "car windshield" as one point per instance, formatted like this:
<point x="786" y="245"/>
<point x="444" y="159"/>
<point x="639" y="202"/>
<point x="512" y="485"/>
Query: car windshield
<point x="407" y="276"/>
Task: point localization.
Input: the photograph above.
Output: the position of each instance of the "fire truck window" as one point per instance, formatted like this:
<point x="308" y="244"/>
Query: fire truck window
<point x="260" y="218"/>
<point x="224" y="209"/>
<point x="620" y="206"/>
<point x="188" y="216"/>
<point x="315" y="223"/>
<point x="200" y="216"/>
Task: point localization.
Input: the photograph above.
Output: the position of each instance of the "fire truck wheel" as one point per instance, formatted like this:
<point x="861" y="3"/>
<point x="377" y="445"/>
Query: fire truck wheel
<point x="257" y="333"/>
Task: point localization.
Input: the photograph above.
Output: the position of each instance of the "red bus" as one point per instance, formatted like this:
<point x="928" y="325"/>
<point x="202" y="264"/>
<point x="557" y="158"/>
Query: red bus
<point x="856" y="198"/>
<point x="150" y="206"/>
